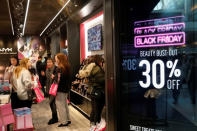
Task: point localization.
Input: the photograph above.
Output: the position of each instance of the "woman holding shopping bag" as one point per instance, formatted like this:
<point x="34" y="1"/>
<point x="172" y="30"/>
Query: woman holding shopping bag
<point x="63" y="78"/>
<point x="50" y="70"/>
<point x="23" y="83"/>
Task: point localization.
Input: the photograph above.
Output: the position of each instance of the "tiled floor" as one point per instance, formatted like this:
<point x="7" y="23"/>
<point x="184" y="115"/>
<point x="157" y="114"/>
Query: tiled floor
<point x="41" y="114"/>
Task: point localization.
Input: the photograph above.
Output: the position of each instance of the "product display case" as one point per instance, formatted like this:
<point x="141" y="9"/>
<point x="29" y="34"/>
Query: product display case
<point x="4" y="92"/>
<point x="80" y="92"/>
<point x="79" y="97"/>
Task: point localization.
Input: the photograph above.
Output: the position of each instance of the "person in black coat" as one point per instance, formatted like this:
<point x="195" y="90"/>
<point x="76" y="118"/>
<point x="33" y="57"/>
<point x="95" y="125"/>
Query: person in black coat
<point x="41" y="68"/>
<point x="63" y="78"/>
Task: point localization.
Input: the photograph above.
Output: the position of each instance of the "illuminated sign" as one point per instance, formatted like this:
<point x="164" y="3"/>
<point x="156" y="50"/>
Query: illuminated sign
<point x="172" y="82"/>
<point x="159" y="32"/>
<point x="159" y="73"/>
<point x="167" y="39"/>
<point x="5" y="49"/>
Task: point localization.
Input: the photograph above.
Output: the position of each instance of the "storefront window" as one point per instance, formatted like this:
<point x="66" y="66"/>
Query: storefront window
<point x="159" y="66"/>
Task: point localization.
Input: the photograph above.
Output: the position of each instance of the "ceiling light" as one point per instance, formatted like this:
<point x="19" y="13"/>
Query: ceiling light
<point x="21" y="26"/>
<point x="10" y="17"/>
<point x="27" y="8"/>
<point x="55" y="17"/>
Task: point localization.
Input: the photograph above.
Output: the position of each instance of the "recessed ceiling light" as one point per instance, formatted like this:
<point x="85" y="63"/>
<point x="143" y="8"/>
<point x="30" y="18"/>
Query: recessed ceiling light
<point x="21" y="26"/>
<point x="55" y="17"/>
<point x="27" y="8"/>
<point x="10" y="17"/>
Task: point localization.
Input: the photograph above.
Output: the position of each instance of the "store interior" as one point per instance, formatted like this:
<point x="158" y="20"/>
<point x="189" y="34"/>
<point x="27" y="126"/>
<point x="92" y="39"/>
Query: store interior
<point x="147" y="58"/>
<point x="33" y="28"/>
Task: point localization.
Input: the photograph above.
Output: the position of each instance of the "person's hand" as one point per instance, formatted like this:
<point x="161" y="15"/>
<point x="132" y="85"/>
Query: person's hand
<point x="52" y="76"/>
<point x="152" y="93"/>
<point x="77" y="76"/>
<point x="42" y="73"/>
<point x="7" y="69"/>
<point x="32" y="77"/>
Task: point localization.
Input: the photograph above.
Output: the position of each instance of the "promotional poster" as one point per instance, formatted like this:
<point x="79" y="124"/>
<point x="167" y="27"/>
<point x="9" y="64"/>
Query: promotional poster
<point x="31" y="47"/>
<point x="158" y="68"/>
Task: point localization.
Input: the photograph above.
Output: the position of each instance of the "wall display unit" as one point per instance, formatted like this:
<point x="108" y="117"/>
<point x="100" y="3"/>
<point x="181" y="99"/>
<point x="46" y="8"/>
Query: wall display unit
<point x="80" y="91"/>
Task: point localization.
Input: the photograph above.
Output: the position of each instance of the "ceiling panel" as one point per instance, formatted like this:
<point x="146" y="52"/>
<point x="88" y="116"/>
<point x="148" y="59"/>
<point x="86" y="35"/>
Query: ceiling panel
<point x="5" y="25"/>
<point x="41" y="12"/>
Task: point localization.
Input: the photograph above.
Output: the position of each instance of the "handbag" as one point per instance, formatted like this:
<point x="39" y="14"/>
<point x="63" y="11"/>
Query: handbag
<point x="39" y="95"/>
<point x="39" y="85"/>
<point x="54" y="86"/>
<point x="29" y="94"/>
<point x="97" y="93"/>
<point x="53" y="89"/>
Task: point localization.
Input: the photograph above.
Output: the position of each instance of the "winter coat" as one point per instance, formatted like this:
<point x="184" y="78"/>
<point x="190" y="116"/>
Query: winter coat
<point x="64" y="83"/>
<point x="49" y="80"/>
<point x="94" y="74"/>
<point x="23" y="84"/>
<point x="41" y="66"/>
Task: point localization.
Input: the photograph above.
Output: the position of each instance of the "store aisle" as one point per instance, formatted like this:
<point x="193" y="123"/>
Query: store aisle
<point x="41" y="115"/>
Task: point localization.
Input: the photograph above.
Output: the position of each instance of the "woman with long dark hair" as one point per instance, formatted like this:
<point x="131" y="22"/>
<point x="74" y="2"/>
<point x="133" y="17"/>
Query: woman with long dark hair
<point x="8" y="76"/>
<point x="9" y="70"/>
<point x="63" y="78"/>
<point x="96" y="86"/>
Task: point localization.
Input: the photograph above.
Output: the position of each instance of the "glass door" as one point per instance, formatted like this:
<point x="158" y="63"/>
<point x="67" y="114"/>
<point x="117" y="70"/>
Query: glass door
<point x="158" y="65"/>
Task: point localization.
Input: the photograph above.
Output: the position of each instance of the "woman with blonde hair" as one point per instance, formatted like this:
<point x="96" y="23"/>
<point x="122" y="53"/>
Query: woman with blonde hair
<point x="62" y="77"/>
<point x="22" y="81"/>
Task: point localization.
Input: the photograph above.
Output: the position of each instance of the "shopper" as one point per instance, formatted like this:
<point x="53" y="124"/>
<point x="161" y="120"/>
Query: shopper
<point x="63" y="77"/>
<point x="50" y="70"/>
<point x="8" y="76"/>
<point x="96" y="84"/>
<point x="41" y="68"/>
<point x="9" y="70"/>
<point x="22" y="81"/>
<point x="35" y="76"/>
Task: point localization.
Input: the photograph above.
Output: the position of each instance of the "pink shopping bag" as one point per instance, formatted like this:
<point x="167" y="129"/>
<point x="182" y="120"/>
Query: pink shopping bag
<point x="3" y="128"/>
<point x="53" y="89"/>
<point x="6" y="115"/>
<point x="39" y="96"/>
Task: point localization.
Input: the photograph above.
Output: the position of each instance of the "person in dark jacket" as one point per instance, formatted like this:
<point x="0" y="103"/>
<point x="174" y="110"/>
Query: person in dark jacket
<point x="41" y="68"/>
<point x="50" y="70"/>
<point x="96" y="86"/>
<point x="63" y="78"/>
